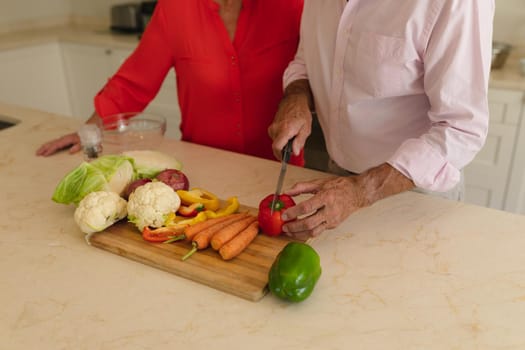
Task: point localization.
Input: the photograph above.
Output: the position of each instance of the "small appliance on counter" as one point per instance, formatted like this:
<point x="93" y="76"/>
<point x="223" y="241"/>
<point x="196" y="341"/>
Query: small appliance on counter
<point x="500" y="53"/>
<point x="131" y="17"/>
<point x="146" y="11"/>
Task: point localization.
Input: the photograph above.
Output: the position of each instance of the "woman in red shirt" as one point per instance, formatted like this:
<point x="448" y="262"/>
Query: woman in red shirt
<point x="229" y="57"/>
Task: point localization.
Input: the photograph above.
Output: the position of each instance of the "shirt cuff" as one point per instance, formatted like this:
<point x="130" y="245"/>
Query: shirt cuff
<point x="295" y="71"/>
<point x="104" y="105"/>
<point x="425" y="166"/>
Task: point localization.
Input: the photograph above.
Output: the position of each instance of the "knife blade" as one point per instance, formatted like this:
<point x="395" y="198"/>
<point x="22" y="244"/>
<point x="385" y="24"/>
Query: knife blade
<point x="287" y="151"/>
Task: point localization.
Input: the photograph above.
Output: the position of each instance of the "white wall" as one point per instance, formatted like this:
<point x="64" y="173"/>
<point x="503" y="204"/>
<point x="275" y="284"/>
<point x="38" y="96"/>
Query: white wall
<point x="23" y="14"/>
<point x="509" y="21"/>
<point x="20" y="14"/>
<point x="94" y="8"/>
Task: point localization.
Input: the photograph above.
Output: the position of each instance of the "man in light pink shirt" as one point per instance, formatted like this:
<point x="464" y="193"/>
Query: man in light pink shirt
<point x="400" y="90"/>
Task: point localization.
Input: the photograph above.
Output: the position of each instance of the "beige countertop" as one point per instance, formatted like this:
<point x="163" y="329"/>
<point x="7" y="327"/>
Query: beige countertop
<point x="509" y="77"/>
<point x="81" y="34"/>
<point x="409" y="272"/>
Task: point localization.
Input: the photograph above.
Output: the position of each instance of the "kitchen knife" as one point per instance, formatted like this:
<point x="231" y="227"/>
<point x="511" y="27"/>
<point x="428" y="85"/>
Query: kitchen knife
<point x="287" y="151"/>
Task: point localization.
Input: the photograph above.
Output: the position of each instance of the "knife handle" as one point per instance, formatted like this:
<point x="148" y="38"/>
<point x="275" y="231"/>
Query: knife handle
<point x="287" y="150"/>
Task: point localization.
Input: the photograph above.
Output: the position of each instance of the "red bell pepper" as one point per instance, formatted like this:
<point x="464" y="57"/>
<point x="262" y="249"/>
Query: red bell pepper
<point x="190" y="210"/>
<point x="271" y="223"/>
<point x="163" y="234"/>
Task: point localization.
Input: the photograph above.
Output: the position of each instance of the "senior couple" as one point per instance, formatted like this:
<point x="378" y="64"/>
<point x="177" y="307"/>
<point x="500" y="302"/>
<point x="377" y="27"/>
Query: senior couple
<point x="400" y="90"/>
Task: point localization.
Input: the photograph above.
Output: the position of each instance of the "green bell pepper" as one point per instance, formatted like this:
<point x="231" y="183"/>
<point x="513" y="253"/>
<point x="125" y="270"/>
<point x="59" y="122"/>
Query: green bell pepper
<point x="294" y="272"/>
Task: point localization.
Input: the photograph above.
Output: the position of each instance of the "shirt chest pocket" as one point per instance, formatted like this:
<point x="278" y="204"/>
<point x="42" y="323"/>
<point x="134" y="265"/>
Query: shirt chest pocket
<point x="383" y="66"/>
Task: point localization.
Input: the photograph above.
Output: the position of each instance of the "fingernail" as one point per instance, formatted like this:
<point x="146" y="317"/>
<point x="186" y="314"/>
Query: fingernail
<point x="284" y="217"/>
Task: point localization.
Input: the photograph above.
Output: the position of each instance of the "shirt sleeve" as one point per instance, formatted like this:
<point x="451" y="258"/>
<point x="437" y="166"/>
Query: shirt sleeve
<point x="457" y="67"/>
<point x="140" y="77"/>
<point x="296" y="69"/>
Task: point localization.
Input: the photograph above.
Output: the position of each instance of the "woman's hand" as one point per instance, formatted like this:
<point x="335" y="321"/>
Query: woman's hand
<point x="70" y="140"/>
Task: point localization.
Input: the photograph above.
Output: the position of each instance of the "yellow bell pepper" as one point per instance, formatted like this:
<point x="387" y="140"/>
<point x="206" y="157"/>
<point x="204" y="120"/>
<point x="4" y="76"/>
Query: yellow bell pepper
<point x="232" y="205"/>
<point x="176" y="220"/>
<point x="198" y="195"/>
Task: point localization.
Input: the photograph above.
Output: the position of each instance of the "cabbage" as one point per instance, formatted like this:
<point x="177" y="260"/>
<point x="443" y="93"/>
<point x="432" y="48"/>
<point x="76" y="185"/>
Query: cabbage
<point x="107" y="173"/>
<point x="149" y="163"/>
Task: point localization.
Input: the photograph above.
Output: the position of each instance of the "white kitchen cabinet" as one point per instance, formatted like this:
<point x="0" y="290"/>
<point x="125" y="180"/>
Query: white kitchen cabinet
<point x="515" y="201"/>
<point x="34" y="77"/>
<point x="89" y="67"/>
<point x="493" y="176"/>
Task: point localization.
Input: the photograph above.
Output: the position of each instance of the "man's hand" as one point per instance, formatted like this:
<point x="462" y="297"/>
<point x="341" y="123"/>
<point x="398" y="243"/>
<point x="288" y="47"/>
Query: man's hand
<point x="293" y="118"/>
<point x="332" y="202"/>
<point x="70" y="140"/>
<point x="335" y="199"/>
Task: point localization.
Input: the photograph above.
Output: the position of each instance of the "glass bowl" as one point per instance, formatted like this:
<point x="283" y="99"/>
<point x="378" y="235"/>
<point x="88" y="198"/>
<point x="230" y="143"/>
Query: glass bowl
<point x="132" y="131"/>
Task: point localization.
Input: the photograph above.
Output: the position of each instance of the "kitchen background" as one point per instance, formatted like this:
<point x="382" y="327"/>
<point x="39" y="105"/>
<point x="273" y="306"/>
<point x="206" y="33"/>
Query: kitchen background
<point x="67" y="64"/>
<point x="509" y="21"/>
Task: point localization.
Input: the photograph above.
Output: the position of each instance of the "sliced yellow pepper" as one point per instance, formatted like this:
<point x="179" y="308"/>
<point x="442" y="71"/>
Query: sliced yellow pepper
<point x="232" y="205"/>
<point x="176" y="220"/>
<point x="198" y="195"/>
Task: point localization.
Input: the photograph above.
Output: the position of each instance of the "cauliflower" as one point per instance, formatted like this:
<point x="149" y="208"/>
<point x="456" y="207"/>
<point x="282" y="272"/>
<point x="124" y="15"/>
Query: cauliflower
<point x="150" y="204"/>
<point x="99" y="210"/>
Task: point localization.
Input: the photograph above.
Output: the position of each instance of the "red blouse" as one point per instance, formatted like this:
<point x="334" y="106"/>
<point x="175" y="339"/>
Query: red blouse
<point x="228" y="91"/>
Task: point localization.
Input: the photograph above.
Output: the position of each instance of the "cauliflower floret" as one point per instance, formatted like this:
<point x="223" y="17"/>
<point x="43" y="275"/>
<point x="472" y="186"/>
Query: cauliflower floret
<point x="150" y="204"/>
<point x="99" y="210"/>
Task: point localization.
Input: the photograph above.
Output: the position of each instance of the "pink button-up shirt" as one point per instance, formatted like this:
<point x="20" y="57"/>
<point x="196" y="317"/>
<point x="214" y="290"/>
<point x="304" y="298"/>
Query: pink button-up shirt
<point x="402" y="82"/>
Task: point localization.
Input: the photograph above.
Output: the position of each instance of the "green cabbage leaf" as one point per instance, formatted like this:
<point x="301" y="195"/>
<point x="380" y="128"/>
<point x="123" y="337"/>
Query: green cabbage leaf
<point x="148" y="163"/>
<point x="107" y="173"/>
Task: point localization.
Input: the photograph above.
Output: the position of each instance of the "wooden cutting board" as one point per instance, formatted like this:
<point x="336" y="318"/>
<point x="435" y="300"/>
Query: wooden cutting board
<point x="245" y="276"/>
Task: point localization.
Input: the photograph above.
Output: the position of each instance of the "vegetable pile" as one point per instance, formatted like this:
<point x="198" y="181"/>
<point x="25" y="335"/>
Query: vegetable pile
<point x="150" y="190"/>
<point x="111" y="173"/>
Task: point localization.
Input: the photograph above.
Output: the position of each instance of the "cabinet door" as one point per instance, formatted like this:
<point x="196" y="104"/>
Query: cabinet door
<point x="515" y="201"/>
<point x="486" y="178"/>
<point x="87" y="68"/>
<point x="165" y="102"/>
<point x="34" y="77"/>
<point x="116" y="58"/>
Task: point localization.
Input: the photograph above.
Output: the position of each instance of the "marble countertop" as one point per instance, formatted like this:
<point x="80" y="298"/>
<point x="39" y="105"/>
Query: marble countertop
<point x="409" y="272"/>
<point x="509" y="77"/>
<point x="88" y="34"/>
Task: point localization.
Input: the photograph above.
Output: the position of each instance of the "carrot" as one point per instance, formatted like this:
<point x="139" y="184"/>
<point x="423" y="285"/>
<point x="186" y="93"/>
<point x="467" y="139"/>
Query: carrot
<point x="238" y="243"/>
<point x="202" y="238"/>
<point x="225" y="234"/>
<point x="192" y="230"/>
